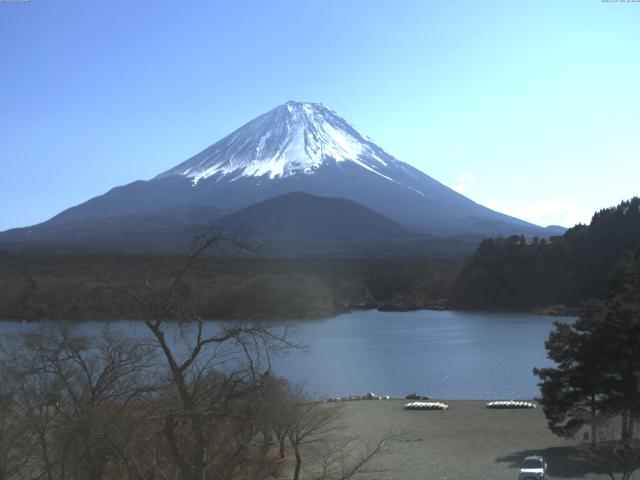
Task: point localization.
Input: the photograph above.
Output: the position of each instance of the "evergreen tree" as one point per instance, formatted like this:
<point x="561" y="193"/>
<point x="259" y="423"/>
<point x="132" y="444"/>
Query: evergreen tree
<point x="513" y="273"/>
<point x="597" y="377"/>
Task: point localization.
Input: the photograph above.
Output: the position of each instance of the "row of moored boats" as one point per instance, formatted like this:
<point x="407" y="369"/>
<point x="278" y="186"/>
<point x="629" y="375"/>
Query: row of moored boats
<point x="422" y="405"/>
<point x="507" y="404"/>
<point x="368" y="396"/>
<point x="510" y="404"/>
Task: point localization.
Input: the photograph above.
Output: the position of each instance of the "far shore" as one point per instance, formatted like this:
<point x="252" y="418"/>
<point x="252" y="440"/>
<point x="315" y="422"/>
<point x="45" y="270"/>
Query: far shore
<point x="548" y="311"/>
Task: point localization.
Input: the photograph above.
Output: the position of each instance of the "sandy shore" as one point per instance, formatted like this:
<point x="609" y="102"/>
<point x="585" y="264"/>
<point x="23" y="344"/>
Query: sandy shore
<point x="467" y="441"/>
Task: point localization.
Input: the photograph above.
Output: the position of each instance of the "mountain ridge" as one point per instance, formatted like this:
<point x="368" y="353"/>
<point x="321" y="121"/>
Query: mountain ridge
<point x="293" y="225"/>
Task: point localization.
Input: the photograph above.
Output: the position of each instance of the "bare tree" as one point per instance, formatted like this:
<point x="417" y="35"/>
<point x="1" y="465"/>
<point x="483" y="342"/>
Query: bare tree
<point x="14" y="446"/>
<point x="347" y="457"/>
<point x="74" y="396"/>
<point x="308" y="423"/>
<point x="214" y="372"/>
<point x="314" y="430"/>
<point x="33" y="396"/>
<point x="188" y="400"/>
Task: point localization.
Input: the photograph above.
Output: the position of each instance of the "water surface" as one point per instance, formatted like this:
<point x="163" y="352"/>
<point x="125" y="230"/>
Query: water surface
<point x="451" y="355"/>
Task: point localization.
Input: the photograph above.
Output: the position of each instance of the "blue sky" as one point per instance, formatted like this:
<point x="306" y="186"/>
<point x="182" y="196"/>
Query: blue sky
<point x="531" y="108"/>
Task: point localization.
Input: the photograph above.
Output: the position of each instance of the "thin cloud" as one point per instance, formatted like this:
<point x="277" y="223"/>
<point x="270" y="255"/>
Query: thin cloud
<point x="544" y="212"/>
<point x="464" y="179"/>
<point x="460" y="188"/>
<point x="466" y="176"/>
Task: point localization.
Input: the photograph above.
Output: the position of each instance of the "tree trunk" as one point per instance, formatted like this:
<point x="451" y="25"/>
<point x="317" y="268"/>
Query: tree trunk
<point x="624" y="432"/>
<point x="281" y="441"/>
<point x="594" y="412"/>
<point x="296" y="473"/>
<point x="169" y="434"/>
<point x="45" y="455"/>
<point x="266" y="440"/>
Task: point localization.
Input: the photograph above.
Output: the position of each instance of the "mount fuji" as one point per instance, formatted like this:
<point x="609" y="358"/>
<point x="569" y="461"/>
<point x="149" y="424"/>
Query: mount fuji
<point x="296" y="147"/>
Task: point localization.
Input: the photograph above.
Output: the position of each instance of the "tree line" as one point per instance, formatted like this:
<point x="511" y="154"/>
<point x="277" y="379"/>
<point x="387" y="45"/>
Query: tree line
<point x="76" y="287"/>
<point x="520" y="273"/>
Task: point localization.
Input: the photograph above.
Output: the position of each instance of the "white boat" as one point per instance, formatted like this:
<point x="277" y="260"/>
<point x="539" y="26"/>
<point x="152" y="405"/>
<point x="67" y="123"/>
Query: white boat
<point x="426" y="406"/>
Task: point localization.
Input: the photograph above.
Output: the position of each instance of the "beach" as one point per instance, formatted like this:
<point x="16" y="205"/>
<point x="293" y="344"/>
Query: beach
<point x="466" y="441"/>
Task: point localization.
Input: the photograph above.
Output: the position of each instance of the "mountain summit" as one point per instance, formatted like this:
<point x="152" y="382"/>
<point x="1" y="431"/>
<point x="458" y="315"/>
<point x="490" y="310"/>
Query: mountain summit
<point x="296" y="147"/>
<point x="296" y="138"/>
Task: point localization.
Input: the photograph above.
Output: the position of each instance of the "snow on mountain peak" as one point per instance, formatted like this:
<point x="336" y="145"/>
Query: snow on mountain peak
<point x="293" y="138"/>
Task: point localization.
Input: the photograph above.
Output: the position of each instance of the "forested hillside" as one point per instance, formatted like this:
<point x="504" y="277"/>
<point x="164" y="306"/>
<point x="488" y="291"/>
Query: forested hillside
<point x="77" y="287"/>
<point x="513" y="273"/>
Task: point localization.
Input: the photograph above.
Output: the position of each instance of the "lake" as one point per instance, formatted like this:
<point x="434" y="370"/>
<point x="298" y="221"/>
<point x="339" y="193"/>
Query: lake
<point x="444" y="354"/>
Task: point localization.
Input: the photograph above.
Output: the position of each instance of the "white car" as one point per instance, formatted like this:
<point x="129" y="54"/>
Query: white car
<point x="533" y="468"/>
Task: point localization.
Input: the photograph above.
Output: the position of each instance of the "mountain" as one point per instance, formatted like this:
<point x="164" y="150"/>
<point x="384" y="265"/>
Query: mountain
<point x="296" y="147"/>
<point x="301" y="225"/>
<point x="554" y="230"/>
<point x="292" y="225"/>
<point x="136" y="233"/>
<point x="299" y="214"/>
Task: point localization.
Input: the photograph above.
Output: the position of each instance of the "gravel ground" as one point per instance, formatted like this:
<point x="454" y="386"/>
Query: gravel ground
<point x="467" y="441"/>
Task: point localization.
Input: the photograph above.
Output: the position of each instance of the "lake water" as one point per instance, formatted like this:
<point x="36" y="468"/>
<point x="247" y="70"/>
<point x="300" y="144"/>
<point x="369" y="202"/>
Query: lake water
<point x="447" y="355"/>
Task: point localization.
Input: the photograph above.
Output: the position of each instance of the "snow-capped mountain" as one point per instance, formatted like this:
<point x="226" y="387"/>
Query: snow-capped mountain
<point x="296" y="138"/>
<point x="296" y="147"/>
